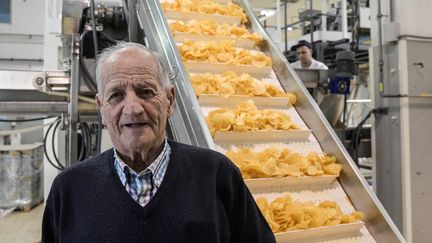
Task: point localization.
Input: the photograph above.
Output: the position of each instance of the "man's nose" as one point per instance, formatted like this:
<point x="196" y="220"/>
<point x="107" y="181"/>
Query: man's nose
<point x="132" y="105"/>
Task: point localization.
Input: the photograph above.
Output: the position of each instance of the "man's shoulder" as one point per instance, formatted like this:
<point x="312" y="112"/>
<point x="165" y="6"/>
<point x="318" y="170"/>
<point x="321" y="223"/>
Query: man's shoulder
<point x="90" y="167"/>
<point x="296" y="64"/>
<point x="318" y="65"/>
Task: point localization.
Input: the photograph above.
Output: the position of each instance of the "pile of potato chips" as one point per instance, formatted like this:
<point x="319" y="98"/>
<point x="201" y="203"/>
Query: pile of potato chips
<point x="281" y="162"/>
<point x="206" y="7"/>
<point x="247" y="117"/>
<point x="229" y="84"/>
<point x="222" y="52"/>
<point x="211" y="27"/>
<point x="284" y="214"/>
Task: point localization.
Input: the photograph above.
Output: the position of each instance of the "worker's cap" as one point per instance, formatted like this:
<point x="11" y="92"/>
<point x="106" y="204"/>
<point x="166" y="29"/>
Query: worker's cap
<point x="301" y="44"/>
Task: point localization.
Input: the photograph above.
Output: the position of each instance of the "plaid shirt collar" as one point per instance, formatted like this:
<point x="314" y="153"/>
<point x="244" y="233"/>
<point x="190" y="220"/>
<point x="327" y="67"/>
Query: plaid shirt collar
<point x="157" y="168"/>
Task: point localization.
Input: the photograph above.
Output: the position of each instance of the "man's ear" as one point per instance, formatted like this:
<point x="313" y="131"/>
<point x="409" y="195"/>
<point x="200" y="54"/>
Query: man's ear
<point x="171" y="98"/>
<point x="99" y="103"/>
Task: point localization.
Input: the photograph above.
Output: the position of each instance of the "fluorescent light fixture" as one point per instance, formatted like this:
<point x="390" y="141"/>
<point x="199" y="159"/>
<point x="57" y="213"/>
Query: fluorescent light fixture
<point x="267" y="13"/>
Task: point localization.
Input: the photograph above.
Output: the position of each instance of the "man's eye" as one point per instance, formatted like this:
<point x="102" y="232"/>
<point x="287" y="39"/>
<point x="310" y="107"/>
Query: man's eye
<point x="146" y="93"/>
<point x="115" y="95"/>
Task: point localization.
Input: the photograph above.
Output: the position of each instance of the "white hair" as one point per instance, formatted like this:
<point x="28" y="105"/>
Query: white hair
<point x="163" y="75"/>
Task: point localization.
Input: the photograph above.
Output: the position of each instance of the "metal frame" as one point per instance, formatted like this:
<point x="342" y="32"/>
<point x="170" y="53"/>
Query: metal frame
<point x="195" y="130"/>
<point x="72" y="145"/>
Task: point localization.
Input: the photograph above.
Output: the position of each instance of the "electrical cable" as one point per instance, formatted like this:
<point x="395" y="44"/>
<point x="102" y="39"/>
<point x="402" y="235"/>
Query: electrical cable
<point x="83" y="145"/>
<point x="356" y="136"/>
<point x="87" y="133"/>
<point x="53" y="147"/>
<point x="27" y="120"/>
<point x="109" y="38"/>
<point x="88" y="140"/>
<point x="45" y="147"/>
<point x="355" y="139"/>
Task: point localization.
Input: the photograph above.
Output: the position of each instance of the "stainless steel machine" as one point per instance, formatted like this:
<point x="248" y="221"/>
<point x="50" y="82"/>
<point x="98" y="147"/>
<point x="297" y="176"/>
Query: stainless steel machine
<point x="159" y="39"/>
<point x="401" y="73"/>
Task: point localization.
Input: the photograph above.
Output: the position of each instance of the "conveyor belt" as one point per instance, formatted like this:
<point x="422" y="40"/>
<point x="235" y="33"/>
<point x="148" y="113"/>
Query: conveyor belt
<point x="188" y="126"/>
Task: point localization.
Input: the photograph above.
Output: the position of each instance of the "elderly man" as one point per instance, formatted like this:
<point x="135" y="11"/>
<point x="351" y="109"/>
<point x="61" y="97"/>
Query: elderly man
<point x="148" y="188"/>
<point x="304" y="54"/>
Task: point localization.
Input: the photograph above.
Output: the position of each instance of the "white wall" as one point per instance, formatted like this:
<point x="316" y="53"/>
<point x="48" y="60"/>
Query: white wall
<point x="414" y="17"/>
<point x="23" y="37"/>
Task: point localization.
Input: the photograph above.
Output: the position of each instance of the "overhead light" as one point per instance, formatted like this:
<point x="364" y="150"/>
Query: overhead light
<point x="289" y="28"/>
<point x="267" y="13"/>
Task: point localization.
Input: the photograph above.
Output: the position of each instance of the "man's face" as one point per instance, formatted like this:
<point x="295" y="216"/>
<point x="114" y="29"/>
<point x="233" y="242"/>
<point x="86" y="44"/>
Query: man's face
<point x="133" y="103"/>
<point x="304" y="54"/>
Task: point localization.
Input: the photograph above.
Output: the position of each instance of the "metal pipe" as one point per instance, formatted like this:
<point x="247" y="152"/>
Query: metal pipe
<point x="278" y="23"/>
<point x="323" y="15"/>
<point x="380" y="50"/>
<point x="286" y="25"/>
<point x="132" y="21"/>
<point x="391" y="10"/>
<point x="344" y="19"/>
<point x="13" y="59"/>
<point x="311" y="23"/>
<point x="73" y="104"/>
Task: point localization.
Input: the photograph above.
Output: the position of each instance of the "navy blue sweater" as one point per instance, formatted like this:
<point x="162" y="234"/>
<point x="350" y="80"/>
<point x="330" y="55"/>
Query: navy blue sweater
<point x="201" y="199"/>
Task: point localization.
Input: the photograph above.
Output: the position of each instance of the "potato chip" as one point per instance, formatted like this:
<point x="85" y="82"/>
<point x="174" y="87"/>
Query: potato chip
<point x="281" y="162"/>
<point x="285" y="214"/>
<point x="206" y="7"/>
<point x="212" y="28"/>
<point x="247" y="117"/>
<point x="229" y="83"/>
<point x="222" y="52"/>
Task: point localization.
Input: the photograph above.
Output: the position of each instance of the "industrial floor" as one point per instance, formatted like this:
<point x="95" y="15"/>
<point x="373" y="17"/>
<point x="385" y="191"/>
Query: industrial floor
<point x="22" y="227"/>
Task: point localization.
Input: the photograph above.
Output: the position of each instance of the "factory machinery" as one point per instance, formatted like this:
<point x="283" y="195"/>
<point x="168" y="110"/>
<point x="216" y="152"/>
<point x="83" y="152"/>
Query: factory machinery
<point x="85" y="27"/>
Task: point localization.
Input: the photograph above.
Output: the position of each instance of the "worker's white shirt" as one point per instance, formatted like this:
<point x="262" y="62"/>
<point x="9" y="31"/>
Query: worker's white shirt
<point x="314" y="65"/>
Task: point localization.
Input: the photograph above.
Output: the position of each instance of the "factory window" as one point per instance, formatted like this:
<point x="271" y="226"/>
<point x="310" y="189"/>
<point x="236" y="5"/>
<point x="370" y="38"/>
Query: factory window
<point x="5" y="11"/>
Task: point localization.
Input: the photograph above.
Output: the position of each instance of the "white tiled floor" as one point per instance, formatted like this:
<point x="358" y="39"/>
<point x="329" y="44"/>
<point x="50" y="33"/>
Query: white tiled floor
<point x="22" y="227"/>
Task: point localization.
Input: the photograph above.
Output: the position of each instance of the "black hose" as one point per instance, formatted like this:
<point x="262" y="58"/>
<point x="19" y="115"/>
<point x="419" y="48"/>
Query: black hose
<point x="88" y="139"/>
<point x="45" y="148"/>
<point x="109" y="38"/>
<point x="356" y="136"/>
<point x="83" y="145"/>
<point x="53" y="147"/>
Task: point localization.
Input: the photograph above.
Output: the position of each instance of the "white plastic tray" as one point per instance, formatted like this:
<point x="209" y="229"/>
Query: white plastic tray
<point x="171" y="14"/>
<point x="282" y="184"/>
<point x="261" y="136"/>
<point x="233" y="100"/>
<point x="214" y="67"/>
<point x="321" y="232"/>
<point x="238" y="42"/>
